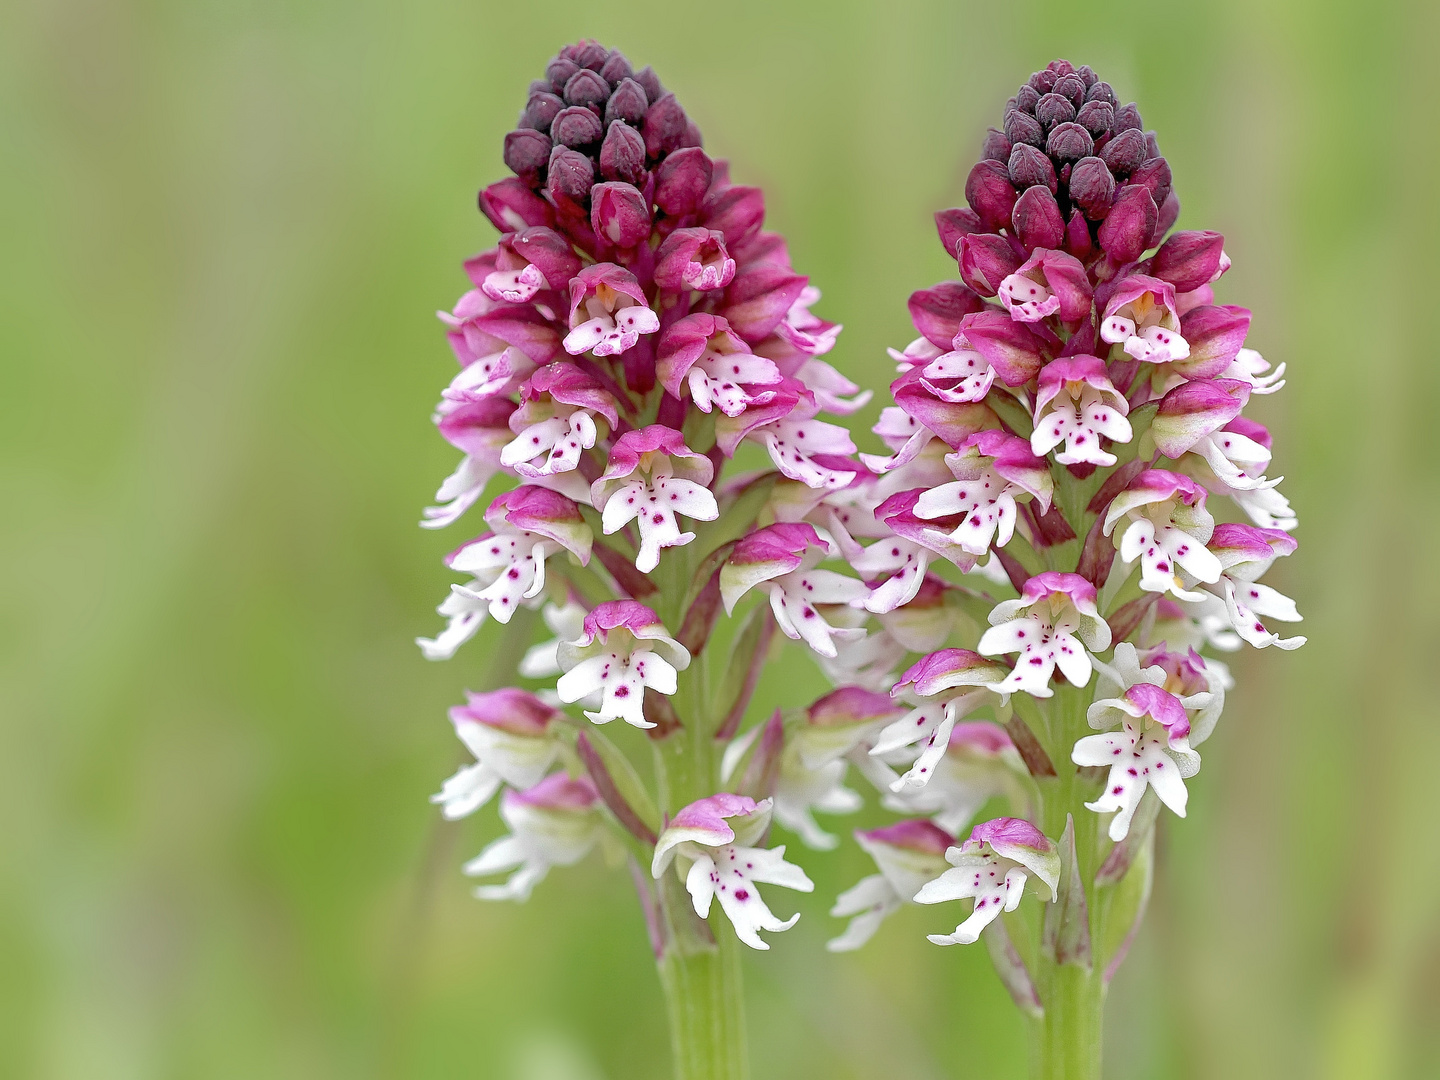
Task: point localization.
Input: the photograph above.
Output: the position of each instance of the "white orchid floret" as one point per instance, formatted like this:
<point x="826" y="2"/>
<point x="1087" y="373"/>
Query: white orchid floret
<point x="992" y="866"/>
<point x="623" y="650"/>
<point x="555" y="823"/>
<point x="510" y="732"/>
<point x="907" y="854"/>
<point x="945" y="686"/>
<point x="1051" y="624"/>
<point x="711" y="845"/>
<point x="979" y="764"/>
<point x="1077" y="405"/>
<point x="783" y="558"/>
<point x="608" y="312"/>
<point x="1249" y="366"/>
<point x="652" y="477"/>
<point x="1246" y="553"/>
<point x="1141" y="317"/>
<point x="991" y="470"/>
<point x="1167" y="527"/>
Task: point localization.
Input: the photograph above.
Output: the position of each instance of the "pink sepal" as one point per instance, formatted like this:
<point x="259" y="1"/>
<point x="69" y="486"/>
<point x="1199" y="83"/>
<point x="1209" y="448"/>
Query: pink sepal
<point x="1195" y="409"/>
<point x="916" y="834"/>
<point x="1012" y="350"/>
<point x="548" y="513"/>
<point x="557" y="792"/>
<point x="508" y="709"/>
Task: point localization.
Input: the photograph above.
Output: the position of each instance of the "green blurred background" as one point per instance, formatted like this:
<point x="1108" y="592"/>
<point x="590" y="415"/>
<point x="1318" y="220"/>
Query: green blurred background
<point x="225" y="228"/>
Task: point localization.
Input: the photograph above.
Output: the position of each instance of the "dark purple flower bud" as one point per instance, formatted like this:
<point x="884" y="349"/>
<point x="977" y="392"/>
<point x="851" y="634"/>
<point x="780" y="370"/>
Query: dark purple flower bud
<point x="989" y="192"/>
<point x="1169" y="214"/>
<point x="938" y="310"/>
<point x="682" y="180"/>
<point x="619" y="214"/>
<point x="1124" y="153"/>
<point x="627" y="103"/>
<point x="954" y="223"/>
<point x="588" y="88"/>
<point x="1127" y="118"/>
<point x="616" y="67"/>
<point x="1077" y="236"/>
<point x="590" y="54"/>
<point x="622" y="154"/>
<point x="997" y="146"/>
<point x="1043" y="81"/>
<point x="1152" y="146"/>
<point x="527" y="152"/>
<point x="1054" y="109"/>
<point x="1069" y="142"/>
<point x="576" y="126"/>
<point x="571" y="175"/>
<point x="1086" y="74"/>
<point x="1072" y="88"/>
<point x="1188" y="259"/>
<point x="1096" y="117"/>
<point x="510" y="206"/>
<point x="986" y="259"/>
<point x="1027" y="99"/>
<point x="1029" y="167"/>
<point x="1021" y="127"/>
<point x="1037" y="221"/>
<point x="559" y="70"/>
<point x="738" y="212"/>
<point x="540" y="86"/>
<point x="758" y="298"/>
<point x="541" y="110"/>
<point x="650" y="83"/>
<point x="1010" y="106"/>
<point x="1126" y="230"/>
<point x="1092" y="188"/>
<point x="1155" y="176"/>
<point x="664" y="127"/>
<point x="1100" y="91"/>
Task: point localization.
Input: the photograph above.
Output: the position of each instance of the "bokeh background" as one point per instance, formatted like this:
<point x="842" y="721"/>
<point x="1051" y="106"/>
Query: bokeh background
<point x="224" y="228"/>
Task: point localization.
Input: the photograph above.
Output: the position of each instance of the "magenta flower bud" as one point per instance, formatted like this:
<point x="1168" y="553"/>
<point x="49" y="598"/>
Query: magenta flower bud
<point x="665" y="127"/>
<point x="571" y="175"/>
<point x="954" y="223"/>
<point x="1069" y="142"/>
<point x="1096" y="117"/>
<point x="1012" y="350"/>
<point x="1127" y="118"/>
<point x="986" y="259"/>
<point x="1216" y="335"/>
<point x="1037" y="221"/>
<point x="1125" y="152"/>
<point x="622" y="155"/>
<point x="938" y="311"/>
<point x="616" y="67"/>
<point x="1028" y="167"/>
<point x="1077" y="236"/>
<point x="1053" y="109"/>
<point x="559" y="71"/>
<point x="627" y="103"/>
<point x="650" y="83"/>
<point x="619" y="214"/>
<point x="1125" y="232"/>
<point x="1155" y="176"/>
<point x="1101" y="91"/>
<point x="682" y="180"/>
<point x="1021" y="127"/>
<point x="541" y="110"/>
<point x="1092" y="187"/>
<point x="527" y="152"/>
<point x="990" y="194"/>
<point x="587" y="88"/>
<point x="1025" y="100"/>
<point x="1189" y="259"/>
<point x="588" y="54"/>
<point x="576" y="126"/>
<point x="548" y="252"/>
<point x="1072" y="88"/>
<point x="738" y="212"/>
<point x="758" y="299"/>
<point x="510" y="205"/>
<point x="997" y="146"/>
<point x="693" y="259"/>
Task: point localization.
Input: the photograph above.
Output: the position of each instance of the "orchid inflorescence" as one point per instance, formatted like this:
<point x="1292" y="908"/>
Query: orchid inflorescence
<point x="640" y="362"/>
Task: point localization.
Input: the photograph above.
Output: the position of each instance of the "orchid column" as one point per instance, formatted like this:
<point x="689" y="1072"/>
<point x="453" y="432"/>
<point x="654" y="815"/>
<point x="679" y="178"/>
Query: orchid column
<point x="633" y="329"/>
<point x="1069" y="424"/>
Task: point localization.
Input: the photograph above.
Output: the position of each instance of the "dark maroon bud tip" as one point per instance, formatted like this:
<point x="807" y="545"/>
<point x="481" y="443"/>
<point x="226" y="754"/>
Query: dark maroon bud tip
<point x="541" y="110"/>
<point x="1155" y="176"/>
<point x="539" y="86"/>
<point x="1027" y="99"/>
<point x="1069" y="142"/>
<point x="1010" y="107"/>
<point x="650" y="82"/>
<point x="1072" y="88"/>
<point x="997" y="146"/>
<point x="1126" y="231"/>
<point x="590" y="54"/>
<point x="1086" y="75"/>
<point x="1036" y="220"/>
<point x="664" y="127"/>
<point x="1092" y="188"/>
<point x="586" y="87"/>
<point x="1028" y="167"/>
<point x="1096" y="117"/>
<point x="1127" y="118"/>
<point x="954" y="223"/>
<point x="571" y="175"/>
<point x="682" y="180"/>
<point x="616" y="67"/>
<point x="1100" y="91"/>
<point x="576" y="126"/>
<point x="1021" y="127"/>
<point x="622" y="154"/>
<point x="559" y="70"/>
<point x="1124" y="153"/>
<point x="627" y="103"/>
<point x="1054" y="109"/>
<point x="1043" y="81"/>
<point x="1152" y="145"/>
<point x="527" y="152"/>
<point x="990" y="194"/>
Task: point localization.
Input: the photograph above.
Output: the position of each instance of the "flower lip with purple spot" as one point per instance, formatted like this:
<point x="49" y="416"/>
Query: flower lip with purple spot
<point x="1063" y="276"/>
<point x="1080" y="368"/>
<point x="510" y="709"/>
<point x="1021" y="842"/>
